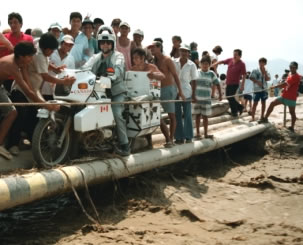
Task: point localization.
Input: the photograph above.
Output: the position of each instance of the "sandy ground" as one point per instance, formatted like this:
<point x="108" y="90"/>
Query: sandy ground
<point x="248" y="193"/>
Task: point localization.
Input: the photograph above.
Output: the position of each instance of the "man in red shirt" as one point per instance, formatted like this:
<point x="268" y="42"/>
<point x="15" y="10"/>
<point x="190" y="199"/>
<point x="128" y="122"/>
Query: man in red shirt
<point x="235" y="72"/>
<point x="15" y="36"/>
<point x="289" y="95"/>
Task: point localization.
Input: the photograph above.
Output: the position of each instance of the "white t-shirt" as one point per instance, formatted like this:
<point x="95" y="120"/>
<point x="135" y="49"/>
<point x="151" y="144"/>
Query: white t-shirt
<point x="248" y="87"/>
<point x="186" y="74"/>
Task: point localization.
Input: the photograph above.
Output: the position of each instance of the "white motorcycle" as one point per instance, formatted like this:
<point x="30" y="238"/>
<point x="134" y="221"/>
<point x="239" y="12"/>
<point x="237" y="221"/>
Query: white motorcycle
<point x="60" y="136"/>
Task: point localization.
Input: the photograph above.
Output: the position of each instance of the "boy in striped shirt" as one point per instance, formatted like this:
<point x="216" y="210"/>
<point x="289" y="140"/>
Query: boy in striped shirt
<point x="202" y="88"/>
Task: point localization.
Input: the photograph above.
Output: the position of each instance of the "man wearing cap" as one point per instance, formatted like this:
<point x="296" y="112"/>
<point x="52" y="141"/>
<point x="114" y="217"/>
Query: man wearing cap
<point x="138" y="37"/>
<point x="36" y="34"/>
<point x="59" y="58"/>
<point x="115" y="25"/>
<point x="87" y="29"/>
<point x="187" y="72"/>
<point x="56" y="30"/>
<point x="124" y="44"/>
<point x="288" y="96"/>
<point x="168" y="90"/>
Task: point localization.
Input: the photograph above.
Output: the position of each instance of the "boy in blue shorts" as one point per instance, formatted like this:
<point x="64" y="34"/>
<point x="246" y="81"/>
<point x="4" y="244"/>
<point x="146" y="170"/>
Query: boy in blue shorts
<point x="202" y="89"/>
<point x="259" y="77"/>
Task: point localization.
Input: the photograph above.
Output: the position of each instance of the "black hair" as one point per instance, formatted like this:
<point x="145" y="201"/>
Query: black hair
<point x="222" y="77"/>
<point x="204" y="53"/>
<point x="178" y="38"/>
<point x="98" y="21"/>
<point x="239" y="51"/>
<point x="217" y="49"/>
<point x="75" y="15"/>
<point x="15" y="15"/>
<point x="193" y="45"/>
<point x="87" y="21"/>
<point x="140" y="52"/>
<point x="206" y="58"/>
<point x="24" y="49"/>
<point x="294" y="63"/>
<point x="48" y="40"/>
<point x="28" y="31"/>
<point x="263" y="60"/>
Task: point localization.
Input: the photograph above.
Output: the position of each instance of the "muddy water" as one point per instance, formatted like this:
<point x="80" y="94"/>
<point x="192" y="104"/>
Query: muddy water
<point x="248" y="193"/>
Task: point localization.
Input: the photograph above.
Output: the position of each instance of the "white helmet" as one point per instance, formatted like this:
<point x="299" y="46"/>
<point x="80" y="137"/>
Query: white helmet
<point x="106" y="33"/>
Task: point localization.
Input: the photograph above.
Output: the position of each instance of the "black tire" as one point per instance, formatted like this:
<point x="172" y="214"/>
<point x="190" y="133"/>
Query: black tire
<point x="44" y="149"/>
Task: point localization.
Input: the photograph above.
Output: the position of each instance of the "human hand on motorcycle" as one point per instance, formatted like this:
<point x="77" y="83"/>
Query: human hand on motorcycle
<point x="69" y="80"/>
<point x="52" y="107"/>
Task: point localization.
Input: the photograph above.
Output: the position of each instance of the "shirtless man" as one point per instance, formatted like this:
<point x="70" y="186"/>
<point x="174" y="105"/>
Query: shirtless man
<point x="168" y="90"/>
<point x="15" y="65"/>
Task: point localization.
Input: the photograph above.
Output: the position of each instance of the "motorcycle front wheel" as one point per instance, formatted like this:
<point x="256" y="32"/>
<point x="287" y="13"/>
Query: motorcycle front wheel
<point x="46" y="150"/>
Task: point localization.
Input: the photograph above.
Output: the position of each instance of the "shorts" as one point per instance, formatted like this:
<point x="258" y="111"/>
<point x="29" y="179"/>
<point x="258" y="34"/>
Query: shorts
<point x="4" y="110"/>
<point x="291" y="103"/>
<point x="260" y="96"/>
<point x="168" y="93"/>
<point x="247" y="97"/>
<point x="203" y="108"/>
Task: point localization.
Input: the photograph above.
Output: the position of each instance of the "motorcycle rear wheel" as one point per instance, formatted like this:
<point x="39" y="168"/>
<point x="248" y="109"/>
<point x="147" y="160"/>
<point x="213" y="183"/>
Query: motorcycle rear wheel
<point x="45" y="150"/>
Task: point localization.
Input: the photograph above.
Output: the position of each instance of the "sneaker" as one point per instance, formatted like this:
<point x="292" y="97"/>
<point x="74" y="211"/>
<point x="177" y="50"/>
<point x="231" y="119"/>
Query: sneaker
<point x="14" y="150"/>
<point x="5" y="153"/>
<point x="188" y="141"/>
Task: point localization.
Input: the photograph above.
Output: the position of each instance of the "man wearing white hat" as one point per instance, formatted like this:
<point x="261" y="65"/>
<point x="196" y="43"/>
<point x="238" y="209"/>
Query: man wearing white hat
<point x="60" y="58"/>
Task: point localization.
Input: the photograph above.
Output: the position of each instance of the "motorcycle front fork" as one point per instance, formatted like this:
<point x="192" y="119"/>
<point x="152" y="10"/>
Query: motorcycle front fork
<point x="64" y="132"/>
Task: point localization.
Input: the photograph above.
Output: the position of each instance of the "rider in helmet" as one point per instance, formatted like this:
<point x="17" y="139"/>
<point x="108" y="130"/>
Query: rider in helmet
<point x="99" y="64"/>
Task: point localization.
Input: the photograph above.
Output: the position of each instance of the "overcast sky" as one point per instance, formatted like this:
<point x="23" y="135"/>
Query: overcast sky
<point x="269" y="28"/>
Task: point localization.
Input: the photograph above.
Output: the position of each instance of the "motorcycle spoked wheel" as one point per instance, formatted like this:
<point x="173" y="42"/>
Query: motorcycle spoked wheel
<point x="44" y="144"/>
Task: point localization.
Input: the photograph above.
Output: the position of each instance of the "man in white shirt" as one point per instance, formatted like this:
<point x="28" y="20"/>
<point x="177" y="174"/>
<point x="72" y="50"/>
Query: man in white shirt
<point x="60" y="58"/>
<point x="187" y="72"/>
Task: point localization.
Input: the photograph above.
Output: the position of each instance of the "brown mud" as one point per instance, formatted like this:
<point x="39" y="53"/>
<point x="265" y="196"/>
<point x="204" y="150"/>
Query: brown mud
<point x="248" y="193"/>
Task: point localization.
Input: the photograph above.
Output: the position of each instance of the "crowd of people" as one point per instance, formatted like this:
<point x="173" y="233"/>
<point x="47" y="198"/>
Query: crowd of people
<point x="30" y="61"/>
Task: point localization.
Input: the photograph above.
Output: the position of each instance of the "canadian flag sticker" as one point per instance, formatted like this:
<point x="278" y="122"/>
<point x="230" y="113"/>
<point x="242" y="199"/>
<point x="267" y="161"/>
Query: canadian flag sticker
<point x="104" y="108"/>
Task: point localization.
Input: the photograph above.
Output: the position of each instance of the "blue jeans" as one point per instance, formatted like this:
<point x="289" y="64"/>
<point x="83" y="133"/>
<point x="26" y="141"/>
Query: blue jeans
<point x="120" y="121"/>
<point x="276" y="92"/>
<point x="184" y="130"/>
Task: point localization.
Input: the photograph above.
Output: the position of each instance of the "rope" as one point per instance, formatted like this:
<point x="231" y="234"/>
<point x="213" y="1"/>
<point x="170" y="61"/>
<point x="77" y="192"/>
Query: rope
<point x="117" y="103"/>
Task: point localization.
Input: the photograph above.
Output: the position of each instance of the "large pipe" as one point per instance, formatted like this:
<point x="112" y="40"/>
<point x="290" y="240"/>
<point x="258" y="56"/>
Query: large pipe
<point x="17" y="190"/>
<point x="158" y="137"/>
